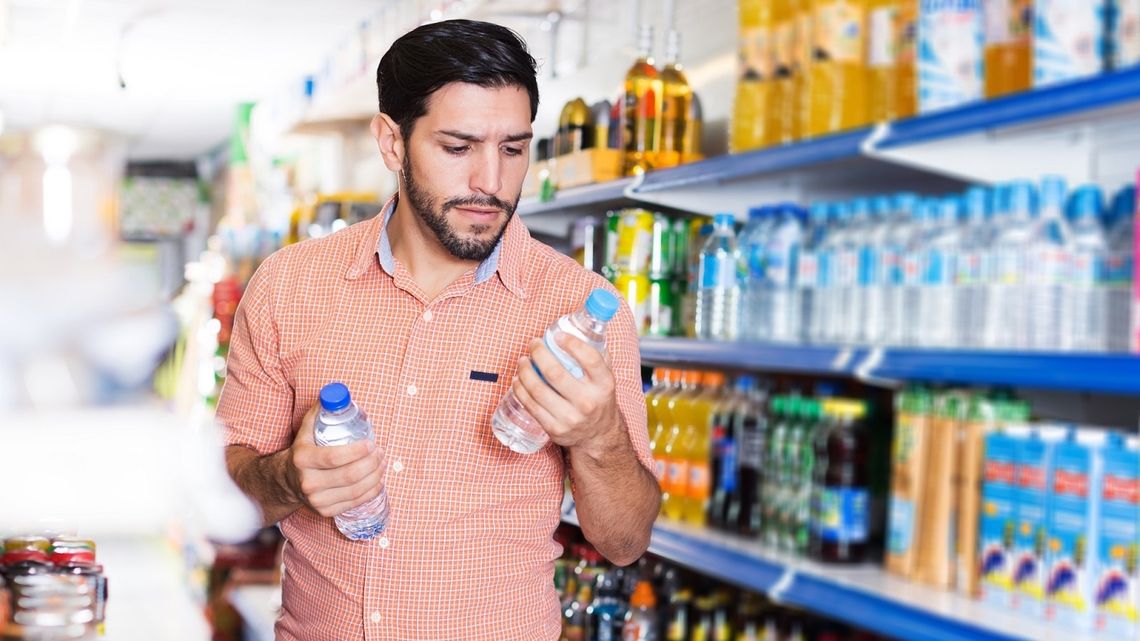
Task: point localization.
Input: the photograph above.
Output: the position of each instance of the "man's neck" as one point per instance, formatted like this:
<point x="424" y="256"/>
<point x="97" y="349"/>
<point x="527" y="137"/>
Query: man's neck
<point x="415" y="245"/>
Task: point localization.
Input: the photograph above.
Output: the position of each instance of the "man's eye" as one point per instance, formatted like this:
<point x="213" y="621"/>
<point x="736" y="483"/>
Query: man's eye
<point x="457" y="151"/>
<point x="512" y="151"/>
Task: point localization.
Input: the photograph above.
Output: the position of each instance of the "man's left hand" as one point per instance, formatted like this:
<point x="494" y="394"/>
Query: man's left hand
<point x="576" y="413"/>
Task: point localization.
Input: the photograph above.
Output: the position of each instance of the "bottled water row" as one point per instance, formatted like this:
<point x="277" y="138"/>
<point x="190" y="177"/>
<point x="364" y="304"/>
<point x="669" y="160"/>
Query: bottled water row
<point x="1020" y="266"/>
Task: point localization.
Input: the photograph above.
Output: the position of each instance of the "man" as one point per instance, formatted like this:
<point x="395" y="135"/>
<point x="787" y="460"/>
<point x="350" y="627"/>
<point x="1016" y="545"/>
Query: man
<point x="428" y="313"/>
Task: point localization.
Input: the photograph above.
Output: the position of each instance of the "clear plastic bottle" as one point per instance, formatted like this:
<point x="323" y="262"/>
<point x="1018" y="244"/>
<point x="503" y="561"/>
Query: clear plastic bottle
<point x="1049" y="258"/>
<point x="1118" y="271"/>
<point x="753" y="241"/>
<point x="870" y="276"/>
<point x="911" y="316"/>
<point x="341" y="422"/>
<point x="970" y="268"/>
<point x="1086" y="299"/>
<point x="811" y="275"/>
<point x="1007" y="322"/>
<point x="842" y="262"/>
<point x="891" y="258"/>
<point x="780" y="272"/>
<point x="940" y="253"/>
<point x="718" y="293"/>
<point x="512" y="423"/>
<point x="854" y="254"/>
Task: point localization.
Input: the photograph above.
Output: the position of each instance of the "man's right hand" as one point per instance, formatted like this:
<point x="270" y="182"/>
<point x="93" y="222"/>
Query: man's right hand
<point x="332" y="479"/>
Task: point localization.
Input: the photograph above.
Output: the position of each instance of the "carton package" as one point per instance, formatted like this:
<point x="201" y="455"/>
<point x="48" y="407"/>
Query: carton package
<point x="998" y="517"/>
<point x="1034" y="475"/>
<point x="938" y="523"/>
<point x="980" y="420"/>
<point x="908" y="473"/>
<point x="1068" y="40"/>
<point x="1118" y="574"/>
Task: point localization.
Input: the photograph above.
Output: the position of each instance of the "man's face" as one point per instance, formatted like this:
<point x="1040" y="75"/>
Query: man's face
<point x="464" y="165"/>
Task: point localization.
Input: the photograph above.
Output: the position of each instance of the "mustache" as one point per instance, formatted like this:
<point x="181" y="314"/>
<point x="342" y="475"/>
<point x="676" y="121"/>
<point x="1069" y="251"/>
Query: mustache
<point x="479" y="201"/>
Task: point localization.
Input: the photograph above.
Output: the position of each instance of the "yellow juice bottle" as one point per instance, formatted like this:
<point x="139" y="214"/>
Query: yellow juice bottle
<point x="676" y="104"/>
<point x="749" y="122"/>
<point x="695" y="444"/>
<point x="1009" y="43"/>
<point x="675" y="484"/>
<point x="838" y="71"/>
<point x="882" y="59"/>
<point x="642" y="107"/>
<point x="802" y="61"/>
<point x="906" y="64"/>
<point x="781" y="113"/>
<point x="652" y="396"/>
<point x="659" y="418"/>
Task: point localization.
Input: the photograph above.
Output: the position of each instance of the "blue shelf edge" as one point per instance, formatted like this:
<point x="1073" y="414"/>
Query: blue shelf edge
<point x="1080" y="372"/>
<point x="584" y="196"/>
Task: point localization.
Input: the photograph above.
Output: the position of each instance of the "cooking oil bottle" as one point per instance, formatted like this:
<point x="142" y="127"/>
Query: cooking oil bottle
<point x="781" y="111"/>
<point x="801" y="76"/>
<point x="642" y="106"/>
<point x="675" y="484"/>
<point x="906" y="63"/>
<point x="749" y="122"/>
<point x="882" y="59"/>
<point x="677" y="97"/>
<point x="838" y="70"/>
<point x="1009" y="45"/>
<point x="695" y="445"/>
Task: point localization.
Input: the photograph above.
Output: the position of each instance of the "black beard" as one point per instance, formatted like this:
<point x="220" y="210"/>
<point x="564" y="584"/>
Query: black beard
<point x="471" y="249"/>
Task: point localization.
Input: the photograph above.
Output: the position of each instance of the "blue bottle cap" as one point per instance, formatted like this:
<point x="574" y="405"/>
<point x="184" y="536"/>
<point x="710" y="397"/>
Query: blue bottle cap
<point x="745" y="382"/>
<point x="820" y="212"/>
<point x="1088" y="201"/>
<point x="1124" y="204"/>
<point x="906" y="202"/>
<point x="977" y="201"/>
<point x="949" y="208"/>
<point x="755" y="213"/>
<point x="1053" y="192"/>
<point x="724" y="220"/>
<point x="861" y="207"/>
<point x="1022" y="196"/>
<point x="841" y="211"/>
<point x="601" y="304"/>
<point x="881" y="206"/>
<point x="335" y="397"/>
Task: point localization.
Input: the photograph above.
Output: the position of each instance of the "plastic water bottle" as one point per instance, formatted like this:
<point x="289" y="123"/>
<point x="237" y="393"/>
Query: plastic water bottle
<point x="512" y="423"/>
<point x="718" y="280"/>
<point x="1007" y="320"/>
<point x="854" y="252"/>
<point x="753" y="241"/>
<point x="812" y="274"/>
<point x="939" y="265"/>
<point x="1118" y="270"/>
<point x="341" y="422"/>
<point x="892" y="256"/>
<point x="780" y="273"/>
<point x="913" y="257"/>
<point x="841" y="260"/>
<point x="1049" y="266"/>
<point x="971" y="268"/>
<point x="1087" y="300"/>
<point x="871" y="281"/>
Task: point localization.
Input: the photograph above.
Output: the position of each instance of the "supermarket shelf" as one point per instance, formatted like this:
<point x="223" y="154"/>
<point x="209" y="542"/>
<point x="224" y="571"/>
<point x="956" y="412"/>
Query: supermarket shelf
<point x="596" y="195"/>
<point x="1101" y="373"/>
<point x="864" y="596"/>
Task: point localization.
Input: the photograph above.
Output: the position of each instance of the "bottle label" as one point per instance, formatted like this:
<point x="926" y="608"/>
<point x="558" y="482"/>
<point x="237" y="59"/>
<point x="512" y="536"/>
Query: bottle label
<point x="969" y="268"/>
<point x="807" y="270"/>
<point x="659" y="464"/>
<point x="755" y="258"/>
<point x="1050" y="266"/>
<point x="1087" y="269"/>
<point x="728" y="464"/>
<point x="1118" y="268"/>
<point x="843" y="515"/>
<point x="883" y="49"/>
<point x="999" y="17"/>
<point x="698" y="480"/>
<point x="869" y="264"/>
<point x="676" y="477"/>
<point x="839" y="33"/>
<point x="1126" y="39"/>
<point x="781" y="260"/>
<point x="751" y="445"/>
<point x="890" y="266"/>
<point x="561" y="355"/>
<point x="846" y="268"/>
<point x="718" y="272"/>
<point x="1008" y="267"/>
<point x="935" y="271"/>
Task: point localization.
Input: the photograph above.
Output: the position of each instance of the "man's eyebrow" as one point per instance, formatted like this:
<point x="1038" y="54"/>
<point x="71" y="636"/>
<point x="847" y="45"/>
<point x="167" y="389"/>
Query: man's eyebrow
<point x="519" y="137"/>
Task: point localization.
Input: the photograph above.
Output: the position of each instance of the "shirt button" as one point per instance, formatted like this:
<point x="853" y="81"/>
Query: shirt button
<point x="376" y="617"/>
<point x="384" y="542"/>
<point x="428" y="316"/>
<point x="397" y="467"/>
<point x="411" y="390"/>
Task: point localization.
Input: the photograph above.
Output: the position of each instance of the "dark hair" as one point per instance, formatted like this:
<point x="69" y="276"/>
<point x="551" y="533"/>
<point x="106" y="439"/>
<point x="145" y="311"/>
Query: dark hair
<point x="434" y="55"/>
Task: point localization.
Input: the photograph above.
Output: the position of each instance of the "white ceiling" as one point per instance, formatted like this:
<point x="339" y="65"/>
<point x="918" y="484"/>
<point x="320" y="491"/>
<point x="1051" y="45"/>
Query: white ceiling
<point x="185" y="63"/>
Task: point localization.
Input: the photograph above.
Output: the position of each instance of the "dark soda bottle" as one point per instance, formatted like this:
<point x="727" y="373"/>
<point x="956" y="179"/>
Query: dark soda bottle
<point x="841" y="503"/>
<point x="724" y="508"/>
<point x="773" y="472"/>
<point x="745" y="506"/>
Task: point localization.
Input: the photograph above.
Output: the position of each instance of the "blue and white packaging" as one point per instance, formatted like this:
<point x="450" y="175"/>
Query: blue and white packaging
<point x="1074" y="530"/>
<point x="998" y="522"/>
<point x="1069" y="40"/>
<point x="1125" y="30"/>
<point x="1118" y="575"/>
<point x="1034" y="477"/>
<point x="951" y="53"/>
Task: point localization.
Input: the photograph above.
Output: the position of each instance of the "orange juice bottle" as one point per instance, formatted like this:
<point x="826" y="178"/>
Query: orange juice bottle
<point x="1009" y="43"/>
<point x="906" y="64"/>
<point x="838" y="71"/>
<point x="652" y="397"/>
<point x="882" y="59"/>
<point x="781" y="112"/>
<point x="749" y="123"/>
<point x="695" y="445"/>
<point x="676" y="481"/>
<point x="660" y="420"/>
<point x="803" y="56"/>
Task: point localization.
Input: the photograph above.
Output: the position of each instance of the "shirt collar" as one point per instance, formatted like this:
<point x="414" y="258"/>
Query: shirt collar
<point x="505" y="260"/>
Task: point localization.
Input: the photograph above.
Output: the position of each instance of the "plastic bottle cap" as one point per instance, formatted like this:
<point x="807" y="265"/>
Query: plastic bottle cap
<point x="691" y="377"/>
<point x="602" y="305"/>
<point x="1088" y="201"/>
<point x="1053" y="191"/>
<point x="1021" y="195"/>
<point x="714" y="379"/>
<point x="948" y="208"/>
<point x="724" y="220"/>
<point x="906" y="202"/>
<point x="820" y="212"/>
<point x="860" y="207"/>
<point x="335" y="397"/>
<point x="881" y="205"/>
<point x="977" y="203"/>
<point x="756" y="213"/>
<point x="643" y="596"/>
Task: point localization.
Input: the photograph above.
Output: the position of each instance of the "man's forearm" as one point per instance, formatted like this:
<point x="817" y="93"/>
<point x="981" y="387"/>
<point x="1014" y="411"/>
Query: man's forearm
<point x="265" y="479"/>
<point x="617" y="500"/>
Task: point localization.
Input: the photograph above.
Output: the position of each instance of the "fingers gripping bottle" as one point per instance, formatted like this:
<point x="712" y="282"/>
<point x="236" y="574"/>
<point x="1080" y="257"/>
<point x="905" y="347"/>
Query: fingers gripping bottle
<point x="341" y="422"/>
<point x="512" y="423"/>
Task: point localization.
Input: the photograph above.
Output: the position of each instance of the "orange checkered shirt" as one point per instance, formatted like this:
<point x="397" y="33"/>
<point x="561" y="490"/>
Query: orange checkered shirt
<point x="468" y="551"/>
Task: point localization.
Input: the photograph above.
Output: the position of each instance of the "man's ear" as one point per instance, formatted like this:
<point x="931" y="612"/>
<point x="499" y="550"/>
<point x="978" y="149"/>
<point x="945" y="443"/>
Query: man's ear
<point x="389" y="141"/>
